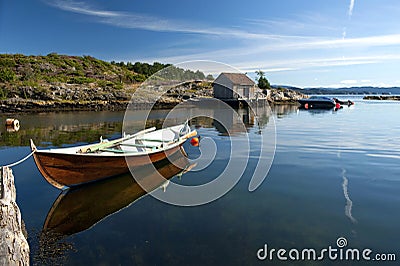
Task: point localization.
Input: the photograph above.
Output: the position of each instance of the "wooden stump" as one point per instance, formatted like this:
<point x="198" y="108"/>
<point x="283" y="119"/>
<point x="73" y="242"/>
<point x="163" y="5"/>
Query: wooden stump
<point x="14" y="248"/>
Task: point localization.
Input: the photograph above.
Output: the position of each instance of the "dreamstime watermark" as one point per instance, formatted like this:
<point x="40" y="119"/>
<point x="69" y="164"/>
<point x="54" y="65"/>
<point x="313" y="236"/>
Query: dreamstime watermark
<point x="167" y="80"/>
<point x="340" y="252"/>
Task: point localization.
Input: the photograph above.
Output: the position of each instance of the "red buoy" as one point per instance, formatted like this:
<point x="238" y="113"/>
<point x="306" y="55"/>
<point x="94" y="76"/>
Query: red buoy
<point x="306" y="106"/>
<point x="194" y="141"/>
<point x="337" y="106"/>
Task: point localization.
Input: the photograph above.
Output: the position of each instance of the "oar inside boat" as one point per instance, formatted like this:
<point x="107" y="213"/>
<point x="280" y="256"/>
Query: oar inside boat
<point x="107" y="144"/>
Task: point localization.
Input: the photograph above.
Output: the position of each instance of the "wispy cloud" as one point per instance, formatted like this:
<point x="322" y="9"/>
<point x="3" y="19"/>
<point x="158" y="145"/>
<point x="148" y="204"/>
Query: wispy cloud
<point x="355" y="81"/>
<point x="370" y="41"/>
<point x="299" y="25"/>
<point x="82" y="8"/>
<point x="351" y="7"/>
<point x="350" y="13"/>
<point x="260" y="61"/>
<point x="152" y="23"/>
<point x="301" y="64"/>
<point x="344" y="33"/>
<point x="349" y="81"/>
<point x="322" y="45"/>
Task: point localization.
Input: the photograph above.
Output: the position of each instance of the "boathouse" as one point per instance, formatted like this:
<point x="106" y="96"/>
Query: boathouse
<point x="235" y="87"/>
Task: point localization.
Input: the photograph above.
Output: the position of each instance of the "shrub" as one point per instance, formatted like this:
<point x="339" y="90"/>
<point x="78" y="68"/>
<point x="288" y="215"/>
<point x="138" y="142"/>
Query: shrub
<point x="3" y="93"/>
<point x="7" y="75"/>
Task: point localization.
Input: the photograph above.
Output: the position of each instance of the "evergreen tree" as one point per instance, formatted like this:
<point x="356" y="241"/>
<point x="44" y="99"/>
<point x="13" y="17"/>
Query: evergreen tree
<point x="263" y="82"/>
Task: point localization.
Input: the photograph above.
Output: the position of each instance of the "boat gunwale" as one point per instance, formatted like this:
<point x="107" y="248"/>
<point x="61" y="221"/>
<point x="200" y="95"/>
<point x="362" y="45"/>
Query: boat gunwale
<point x="165" y="145"/>
<point x="108" y="153"/>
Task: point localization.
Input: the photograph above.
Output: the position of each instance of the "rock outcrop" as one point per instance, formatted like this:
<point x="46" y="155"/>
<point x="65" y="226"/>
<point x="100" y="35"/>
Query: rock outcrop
<point x="284" y="96"/>
<point x="14" y="248"/>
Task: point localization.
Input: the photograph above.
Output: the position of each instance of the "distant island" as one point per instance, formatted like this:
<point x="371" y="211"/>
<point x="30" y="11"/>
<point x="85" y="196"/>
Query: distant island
<point x="366" y="90"/>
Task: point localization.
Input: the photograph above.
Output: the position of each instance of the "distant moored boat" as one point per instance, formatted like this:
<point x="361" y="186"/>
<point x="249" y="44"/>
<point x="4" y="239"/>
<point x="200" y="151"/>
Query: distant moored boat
<point x="317" y="102"/>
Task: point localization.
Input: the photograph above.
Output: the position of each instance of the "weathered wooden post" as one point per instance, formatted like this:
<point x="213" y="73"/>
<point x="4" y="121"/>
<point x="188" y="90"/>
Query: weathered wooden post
<point x="14" y="248"/>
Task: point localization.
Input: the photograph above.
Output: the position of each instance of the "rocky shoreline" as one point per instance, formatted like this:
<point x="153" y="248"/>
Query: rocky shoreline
<point x="284" y="96"/>
<point x="66" y="97"/>
<point x="27" y="105"/>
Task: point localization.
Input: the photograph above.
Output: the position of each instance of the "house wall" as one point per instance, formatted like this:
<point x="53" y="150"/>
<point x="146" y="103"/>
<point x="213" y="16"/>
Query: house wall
<point x="222" y="92"/>
<point x="245" y="91"/>
<point x="223" y="88"/>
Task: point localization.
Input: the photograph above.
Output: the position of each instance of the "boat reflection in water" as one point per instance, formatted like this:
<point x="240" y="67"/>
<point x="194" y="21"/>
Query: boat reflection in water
<point x="79" y="208"/>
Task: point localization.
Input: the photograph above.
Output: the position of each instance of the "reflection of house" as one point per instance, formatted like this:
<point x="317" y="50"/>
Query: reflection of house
<point x="235" y="87"/>
<point x="229" y="121"/>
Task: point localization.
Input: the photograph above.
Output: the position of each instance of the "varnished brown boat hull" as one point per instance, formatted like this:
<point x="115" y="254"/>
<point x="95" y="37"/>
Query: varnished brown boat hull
<point x="62" y="170"/>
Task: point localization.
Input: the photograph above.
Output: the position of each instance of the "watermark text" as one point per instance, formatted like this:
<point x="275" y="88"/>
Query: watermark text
<point x="338" y="252"/>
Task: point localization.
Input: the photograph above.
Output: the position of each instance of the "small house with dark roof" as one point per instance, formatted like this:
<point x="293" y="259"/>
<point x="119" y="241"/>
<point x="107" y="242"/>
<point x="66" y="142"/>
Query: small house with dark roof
<point x="235" y="87"/>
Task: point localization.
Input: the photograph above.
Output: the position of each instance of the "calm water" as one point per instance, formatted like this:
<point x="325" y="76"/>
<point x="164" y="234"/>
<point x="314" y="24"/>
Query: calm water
<point x="335" y="174"/>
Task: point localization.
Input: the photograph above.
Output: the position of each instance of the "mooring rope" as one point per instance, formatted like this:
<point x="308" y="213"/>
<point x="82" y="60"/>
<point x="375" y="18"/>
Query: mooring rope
<point x="20" y="161"/>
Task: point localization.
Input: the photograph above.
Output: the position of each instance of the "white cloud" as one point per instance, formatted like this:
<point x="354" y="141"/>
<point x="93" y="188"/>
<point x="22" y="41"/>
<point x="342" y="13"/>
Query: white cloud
<point x="349" y="81"/>
<point x="82" y="8"/>
<point x="344" y="33"/>
<point x="259" y="61"/>
<point x="369" y="41"/>
<point x="299" y="64"/>
<point x="152" y="23"/>
<point x="351" y="7"/>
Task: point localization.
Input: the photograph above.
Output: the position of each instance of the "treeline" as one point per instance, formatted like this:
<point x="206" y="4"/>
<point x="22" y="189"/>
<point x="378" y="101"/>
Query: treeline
<point x="144" y="69"/>
<point x="173" y="72"/>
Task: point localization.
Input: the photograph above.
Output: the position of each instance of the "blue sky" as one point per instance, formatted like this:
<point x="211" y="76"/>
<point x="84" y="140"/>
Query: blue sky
<point x="307" y="43"/>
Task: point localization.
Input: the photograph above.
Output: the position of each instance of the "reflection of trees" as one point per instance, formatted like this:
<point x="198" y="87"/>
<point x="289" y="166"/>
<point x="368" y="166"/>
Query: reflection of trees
<point x="62" y="134"/>
<point x="263" y="120"/>
<point x="202" y="121"/>
<point x="283" y="110"/>
<point x="262" y="113"/>
<point x="58" y="129"/>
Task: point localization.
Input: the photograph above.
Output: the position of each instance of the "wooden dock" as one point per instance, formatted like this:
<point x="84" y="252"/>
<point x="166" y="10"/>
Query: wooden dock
<point x="14" y="248"/>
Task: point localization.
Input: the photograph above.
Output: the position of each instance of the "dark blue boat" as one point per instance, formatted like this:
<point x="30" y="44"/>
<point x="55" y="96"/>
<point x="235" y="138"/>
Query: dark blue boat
<point x="317" y="102"/>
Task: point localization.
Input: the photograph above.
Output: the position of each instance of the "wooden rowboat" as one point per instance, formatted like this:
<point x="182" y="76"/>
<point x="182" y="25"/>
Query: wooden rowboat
<point x="66" y="167"/>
